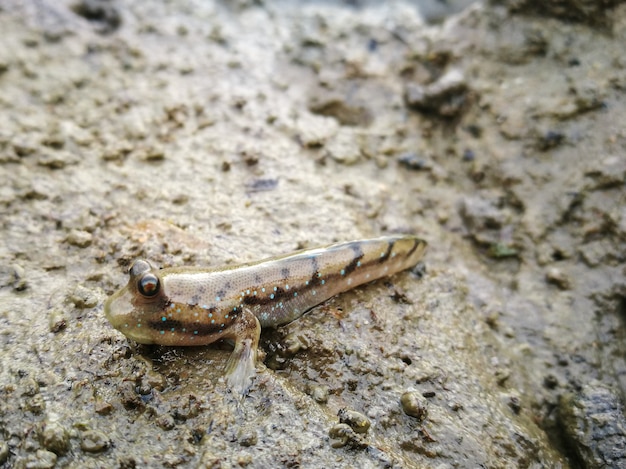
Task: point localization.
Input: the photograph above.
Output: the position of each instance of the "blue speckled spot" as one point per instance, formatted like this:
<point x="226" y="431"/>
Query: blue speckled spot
<point x="275" y="288"/>
<point x="358" y="264"/>
<point x="247" y="292"/>
<point x="138" y="324"/>
<point x="272" y="296"/>
<point x="382" y="254"/>
<point x="212" y="321"/>
<point x="226" y="317"/>
<point x="313" y="292"/>
<point x="184" y="329"/>
<point x="222" y="325"/>
<point x="235" y="308"/>
<point x="178" y="310"/>
<point x="217" y="298"/>
<point x="343" y="272"/>
<point x="172" y="329"/>
<point x="162" y="332"/>
<point x="172" y="305"/>
<point x="323" y="282"/>
<point x="295" y="294"/>
<point x="195" y="332"/>
<point x="263" y="289"/>
<point x="319" y="275"/>
<point x="163" y="318"/>
<point x="205" y="307"/>
<point x="242" y="294"/>
<point x="286" y="287"/>
<point x="306" y="283"/>
<point x="254" y="292"/>
<point x="210" y="315"/>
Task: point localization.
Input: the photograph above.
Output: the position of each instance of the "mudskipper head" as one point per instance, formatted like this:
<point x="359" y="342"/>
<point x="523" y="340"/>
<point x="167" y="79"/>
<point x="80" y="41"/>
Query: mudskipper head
<point x="132" y="308"/>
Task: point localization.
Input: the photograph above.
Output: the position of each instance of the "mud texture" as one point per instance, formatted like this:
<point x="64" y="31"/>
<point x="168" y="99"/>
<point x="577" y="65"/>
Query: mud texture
<point x="207" y="133"/>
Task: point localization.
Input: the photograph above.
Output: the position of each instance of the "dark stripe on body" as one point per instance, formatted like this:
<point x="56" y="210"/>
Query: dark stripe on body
<point x="416" y="243"/>
<point x="358" y="255"/>
<point x="385" y="256"/>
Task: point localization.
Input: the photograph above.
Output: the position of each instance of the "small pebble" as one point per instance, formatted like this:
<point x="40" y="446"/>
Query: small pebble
<point x="93" y="441"/>
<point x="414" y="162"/>
<point x="558" y="278"/>
<point x="248" y="438"/>
<point x="103" y="408"/>
<point x="42" y="459"/>
<point x="357" y="421"/>
<point x="83" y="298"/>
<point x="79" y="238"/>
<point x="57" y="321"/>
<point x="166" y="422"/>
<point x="244" y="460"/>
<point x="4" y="451"/>
<point x="550" y="381"/>
<point x="414" y="405"/>
<point x="18" y="278"/>
<point x="293" y="345"/>
<point x="515" y="404"/>
<point x="319" y="393"/>
<point x="55" y="438"/>
<point x="343" y="436"/>
<point x="128" y="396"/>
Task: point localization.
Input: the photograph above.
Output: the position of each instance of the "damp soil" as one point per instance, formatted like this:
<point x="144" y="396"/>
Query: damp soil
<point x="211" y="133"/>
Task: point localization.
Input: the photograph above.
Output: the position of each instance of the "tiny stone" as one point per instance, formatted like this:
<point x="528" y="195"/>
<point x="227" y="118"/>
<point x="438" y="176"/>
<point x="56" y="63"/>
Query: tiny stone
<point x="79" y="238"/>
<point x="414" y="405"/>
<point x="57" y="159"/>
<point x="55" y="438"/>
<point x="357" y="421"/>
<point x="244" y="460"/>
<point x="83" y="298"/>
<point x="413" y="162"/>
<point x="152" y="153"/>
<point x="4" y="451"/>
<point x="103" y="408"/>
<point x="30" y="387"/>
<point x="319" y="393"/>
<point x="57" y="321"/>
<point x="248" y="438"/>
<point x="550" y="381"/>
<point x="18" y="278"/>
<point x="515" y="404"/>
<point x="36" y="404"/>
<point x="292" y="345"/>
<point x="128" y="396"/>
<point x="42" y="459"/>
<point x="558" y="278"/>
<point x="93" y="441"/>
<point x="166" y="422"/>
<point x="342" y="433"/>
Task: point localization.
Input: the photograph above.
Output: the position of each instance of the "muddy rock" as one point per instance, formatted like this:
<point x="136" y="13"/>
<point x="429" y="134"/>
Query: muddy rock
<point x="232" y="132"/>
<point x="445" y="97"/>
<point x="594" y="424"/>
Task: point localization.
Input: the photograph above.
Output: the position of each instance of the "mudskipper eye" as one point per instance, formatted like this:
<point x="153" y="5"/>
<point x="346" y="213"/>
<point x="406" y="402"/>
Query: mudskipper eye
<point x="148" y="285"/>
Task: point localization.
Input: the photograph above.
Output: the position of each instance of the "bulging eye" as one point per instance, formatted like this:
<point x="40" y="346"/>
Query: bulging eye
<point x="148" y="285"/>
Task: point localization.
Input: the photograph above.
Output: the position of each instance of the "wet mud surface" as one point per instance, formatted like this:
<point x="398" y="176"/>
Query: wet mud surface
<point x="208" y="133"/>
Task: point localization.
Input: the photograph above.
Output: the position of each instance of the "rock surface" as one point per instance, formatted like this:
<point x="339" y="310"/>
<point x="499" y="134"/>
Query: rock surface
<point x="211" y="133"/>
